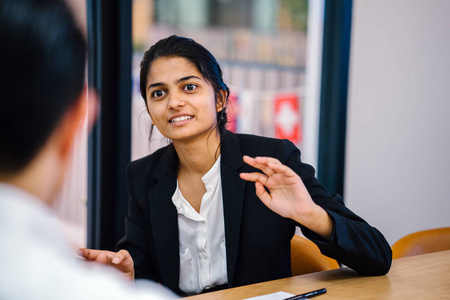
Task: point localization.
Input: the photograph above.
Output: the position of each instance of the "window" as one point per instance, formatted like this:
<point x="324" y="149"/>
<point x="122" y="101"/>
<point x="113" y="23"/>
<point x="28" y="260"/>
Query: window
<point x="261" y="47"/>
<point x="70" y="207"/>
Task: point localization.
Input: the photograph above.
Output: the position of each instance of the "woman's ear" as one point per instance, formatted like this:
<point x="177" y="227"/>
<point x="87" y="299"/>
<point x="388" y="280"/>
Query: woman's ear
<point x="221" y="100"/>
<point x="151" y="119"/>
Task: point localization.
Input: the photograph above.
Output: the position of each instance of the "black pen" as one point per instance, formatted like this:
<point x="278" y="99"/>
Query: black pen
<point x="309" y="294"/>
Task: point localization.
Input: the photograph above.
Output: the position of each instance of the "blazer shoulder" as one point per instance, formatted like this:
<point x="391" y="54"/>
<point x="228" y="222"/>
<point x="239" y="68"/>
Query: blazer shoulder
<point x="254" y="145"/>
<point x="147" y="163"/>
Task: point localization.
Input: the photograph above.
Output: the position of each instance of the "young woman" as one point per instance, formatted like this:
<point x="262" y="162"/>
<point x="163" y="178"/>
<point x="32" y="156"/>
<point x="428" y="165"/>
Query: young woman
<point x="215" y="209"/>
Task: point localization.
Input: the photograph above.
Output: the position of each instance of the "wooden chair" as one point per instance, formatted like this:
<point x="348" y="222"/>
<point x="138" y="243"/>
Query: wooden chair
<point x="307" y="258"/>
<point x="421" y="242"/>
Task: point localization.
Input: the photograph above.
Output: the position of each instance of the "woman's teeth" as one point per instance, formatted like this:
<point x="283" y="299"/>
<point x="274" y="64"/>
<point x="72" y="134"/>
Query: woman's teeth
<point x="181" y="119"/>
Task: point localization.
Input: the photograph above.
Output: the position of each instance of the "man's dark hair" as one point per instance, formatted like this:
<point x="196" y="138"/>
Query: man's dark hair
<point x="176" y="46"/>
<point x="42" y="67"/>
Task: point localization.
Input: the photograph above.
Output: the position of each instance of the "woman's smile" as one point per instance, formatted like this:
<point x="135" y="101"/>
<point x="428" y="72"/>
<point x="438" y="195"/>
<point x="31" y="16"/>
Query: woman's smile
<point x="181" y="120"/>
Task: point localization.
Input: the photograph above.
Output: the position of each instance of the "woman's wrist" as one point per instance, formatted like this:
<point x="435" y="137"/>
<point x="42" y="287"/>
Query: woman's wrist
<point x="317" y="221"/>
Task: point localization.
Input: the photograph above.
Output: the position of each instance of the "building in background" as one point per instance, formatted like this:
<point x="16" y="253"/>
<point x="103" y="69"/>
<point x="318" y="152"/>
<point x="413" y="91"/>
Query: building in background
<point x="260" y="45"/>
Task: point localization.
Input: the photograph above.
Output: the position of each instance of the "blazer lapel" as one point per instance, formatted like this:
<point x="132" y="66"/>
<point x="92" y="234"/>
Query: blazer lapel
<point x="164" y="220"/>
<point x="233" y="189"/>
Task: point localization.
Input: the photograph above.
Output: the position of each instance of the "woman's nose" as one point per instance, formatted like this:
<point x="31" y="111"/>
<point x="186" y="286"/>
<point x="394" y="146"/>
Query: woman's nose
<point x="176" y="100"/>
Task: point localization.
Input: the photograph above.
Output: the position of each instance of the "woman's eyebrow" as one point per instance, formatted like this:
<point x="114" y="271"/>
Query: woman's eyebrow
<point x="187" y="78"/>
<point x="156" y="84"/>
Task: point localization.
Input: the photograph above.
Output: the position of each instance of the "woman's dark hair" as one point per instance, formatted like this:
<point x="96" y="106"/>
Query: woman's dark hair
<point x="176" y="46"/>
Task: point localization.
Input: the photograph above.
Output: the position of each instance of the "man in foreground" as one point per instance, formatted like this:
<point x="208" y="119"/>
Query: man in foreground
<point x="42" y="106"/>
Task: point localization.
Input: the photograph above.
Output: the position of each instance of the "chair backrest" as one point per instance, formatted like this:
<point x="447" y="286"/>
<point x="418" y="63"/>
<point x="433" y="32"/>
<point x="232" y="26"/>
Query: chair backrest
<point x="421" y="242"/>
<point x="307" y="258"/>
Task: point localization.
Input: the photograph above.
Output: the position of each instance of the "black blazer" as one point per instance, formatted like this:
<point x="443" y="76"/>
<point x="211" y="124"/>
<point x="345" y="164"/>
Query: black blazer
<point x="257" y="239"/>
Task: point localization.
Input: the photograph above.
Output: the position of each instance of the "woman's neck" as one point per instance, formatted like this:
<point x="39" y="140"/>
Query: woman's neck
<point x="197" y="157"/>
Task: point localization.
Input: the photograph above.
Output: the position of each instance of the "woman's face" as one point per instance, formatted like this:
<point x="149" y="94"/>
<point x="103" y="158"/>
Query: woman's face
<point x="180" y="101"/>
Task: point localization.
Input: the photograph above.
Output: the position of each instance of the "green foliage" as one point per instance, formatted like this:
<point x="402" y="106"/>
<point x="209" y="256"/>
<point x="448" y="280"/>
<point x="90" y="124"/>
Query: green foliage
<point x="297" y="13"/>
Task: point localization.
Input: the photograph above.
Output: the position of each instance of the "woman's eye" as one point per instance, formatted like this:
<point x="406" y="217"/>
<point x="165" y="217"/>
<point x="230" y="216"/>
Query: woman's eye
<point x="190" y="87"/>
<point x="157" y="94"/>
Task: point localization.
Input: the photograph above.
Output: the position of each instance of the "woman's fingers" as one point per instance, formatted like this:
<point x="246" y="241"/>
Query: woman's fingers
<point x="262" y="194"/>
<point x="116" y="260"/>
<point x="124" y="262"/>
<point x="101" y="256"/>
<point x="121" y="256"/>
<point x="270" y="166"/>
<point x="121" y="260"/>
<point x="288" y="174"/>
<point x="92" y="254"/>
<point x="262" y="163"/>
<point x="260" y="181"/>
<point x="255" y="177"/>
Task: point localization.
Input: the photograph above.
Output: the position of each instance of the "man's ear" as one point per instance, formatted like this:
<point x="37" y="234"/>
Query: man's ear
<point x="86" y="106"/>
<point x="221" y="100"/>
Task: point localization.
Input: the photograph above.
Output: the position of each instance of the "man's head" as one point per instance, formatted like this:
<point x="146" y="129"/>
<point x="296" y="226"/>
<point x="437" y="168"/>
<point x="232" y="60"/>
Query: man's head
<point x="42" y="72"/>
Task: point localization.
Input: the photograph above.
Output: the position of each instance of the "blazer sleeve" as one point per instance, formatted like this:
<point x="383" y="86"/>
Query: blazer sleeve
<point x="137" y="236"/>
<point x="353" y="241"/>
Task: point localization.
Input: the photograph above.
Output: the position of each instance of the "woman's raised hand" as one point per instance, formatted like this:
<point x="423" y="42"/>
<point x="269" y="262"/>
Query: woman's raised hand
<point x="121" y="260"/>
<point x="286" y="194"/>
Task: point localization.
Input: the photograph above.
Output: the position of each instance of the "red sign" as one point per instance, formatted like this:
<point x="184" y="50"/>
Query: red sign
<point x="287" y="118"/>
<point x="232" y="112"/>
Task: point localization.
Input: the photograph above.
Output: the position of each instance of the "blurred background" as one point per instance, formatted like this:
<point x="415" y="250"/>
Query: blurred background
<point x="260" y="45"/>
<point x="361" y="87"/>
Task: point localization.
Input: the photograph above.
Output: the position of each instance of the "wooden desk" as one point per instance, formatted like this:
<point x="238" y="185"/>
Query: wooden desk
<point x="421" y="277"/>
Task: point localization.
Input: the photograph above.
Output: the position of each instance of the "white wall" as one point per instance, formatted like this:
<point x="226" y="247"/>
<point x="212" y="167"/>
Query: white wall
<point x="398" y="138"/>
<point x="311" y="104"/>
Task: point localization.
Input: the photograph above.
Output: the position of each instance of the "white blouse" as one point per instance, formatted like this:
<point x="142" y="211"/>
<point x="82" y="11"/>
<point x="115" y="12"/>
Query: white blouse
<point x="202" y="237"/>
